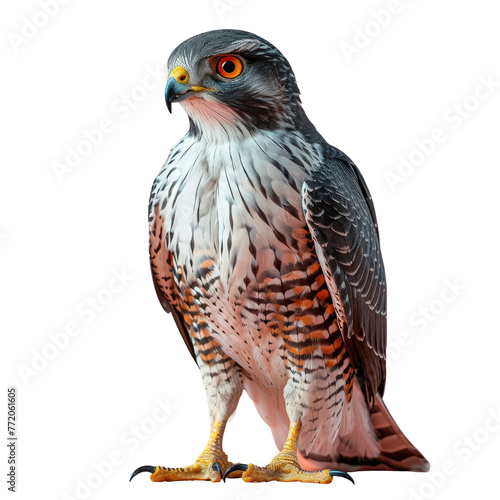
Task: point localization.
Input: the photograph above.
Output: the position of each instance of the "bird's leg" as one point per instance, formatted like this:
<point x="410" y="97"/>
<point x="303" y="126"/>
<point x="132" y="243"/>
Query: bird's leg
<point x="285" y="466"/>
<point x="223" y="385"/>
<point x="210" y="464"/>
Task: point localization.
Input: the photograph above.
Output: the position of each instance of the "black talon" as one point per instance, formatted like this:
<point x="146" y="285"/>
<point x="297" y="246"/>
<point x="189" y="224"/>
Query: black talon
<point x="216" y="467"/>
<point x="341" y="474"/>
<point x="144" y="468"/>
<point x="233" y="468"/>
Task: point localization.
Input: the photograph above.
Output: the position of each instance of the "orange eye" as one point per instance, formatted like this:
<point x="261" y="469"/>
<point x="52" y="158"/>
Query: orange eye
<point x="229" y="66"/>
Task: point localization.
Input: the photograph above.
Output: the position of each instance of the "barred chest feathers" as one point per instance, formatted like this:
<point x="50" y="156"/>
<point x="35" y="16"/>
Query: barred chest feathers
<point x="236" y="204"/>
<point x="233" y="220"/>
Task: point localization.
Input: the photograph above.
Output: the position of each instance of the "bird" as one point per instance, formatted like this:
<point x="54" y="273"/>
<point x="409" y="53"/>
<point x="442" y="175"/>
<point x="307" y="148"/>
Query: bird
<point x="265" y="248"/>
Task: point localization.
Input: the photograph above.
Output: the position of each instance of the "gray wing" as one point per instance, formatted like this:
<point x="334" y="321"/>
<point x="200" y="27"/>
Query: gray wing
<point x="341" y="217"/>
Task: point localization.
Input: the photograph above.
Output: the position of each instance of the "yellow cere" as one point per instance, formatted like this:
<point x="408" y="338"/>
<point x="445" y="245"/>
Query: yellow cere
<point x="180" y="74"/>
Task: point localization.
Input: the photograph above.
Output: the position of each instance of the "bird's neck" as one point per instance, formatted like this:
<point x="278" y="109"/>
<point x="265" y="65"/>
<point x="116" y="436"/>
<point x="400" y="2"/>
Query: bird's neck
<point x="213" y="122"/>
<point x="216" y="123"/>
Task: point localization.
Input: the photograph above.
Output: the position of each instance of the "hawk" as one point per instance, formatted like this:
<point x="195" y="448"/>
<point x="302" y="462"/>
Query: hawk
<point x="264" y="247"/>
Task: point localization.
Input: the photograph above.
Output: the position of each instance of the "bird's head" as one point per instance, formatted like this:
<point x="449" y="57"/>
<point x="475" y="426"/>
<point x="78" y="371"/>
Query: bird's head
<point x="230" y="76"/>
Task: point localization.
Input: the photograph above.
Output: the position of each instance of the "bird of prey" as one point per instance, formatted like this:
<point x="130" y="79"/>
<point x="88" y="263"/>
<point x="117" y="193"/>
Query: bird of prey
<point x="265" y="248"/>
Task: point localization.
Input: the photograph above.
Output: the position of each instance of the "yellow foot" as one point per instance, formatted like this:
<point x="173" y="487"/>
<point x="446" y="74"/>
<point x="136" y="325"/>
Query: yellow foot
<point x="211" y="465"/>
<point x="204" y="469"/>
<point x="286" y="469"/>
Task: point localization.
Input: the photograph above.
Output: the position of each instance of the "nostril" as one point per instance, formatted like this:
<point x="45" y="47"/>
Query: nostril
<point x="182" y="78"/>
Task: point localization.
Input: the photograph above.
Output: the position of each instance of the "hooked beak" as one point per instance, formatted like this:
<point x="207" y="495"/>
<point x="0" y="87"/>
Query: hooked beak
<point x="173" y="91"/>
<point x="178" y="87"/>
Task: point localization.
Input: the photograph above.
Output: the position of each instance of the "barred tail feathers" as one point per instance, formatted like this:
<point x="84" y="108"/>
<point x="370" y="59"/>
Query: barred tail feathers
<point x="396" y="451"/>
<point x="370" y="441"/>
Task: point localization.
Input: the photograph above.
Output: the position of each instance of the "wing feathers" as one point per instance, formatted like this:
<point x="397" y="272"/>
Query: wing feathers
<point x="340" y="214"/>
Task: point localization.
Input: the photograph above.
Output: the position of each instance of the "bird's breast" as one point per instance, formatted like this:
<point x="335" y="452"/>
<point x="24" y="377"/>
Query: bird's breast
<point x="235" y="228"/>
<point x="234" y="202"/>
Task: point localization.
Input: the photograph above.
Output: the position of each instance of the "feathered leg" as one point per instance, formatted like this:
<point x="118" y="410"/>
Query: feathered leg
<point x="313" y="369"/>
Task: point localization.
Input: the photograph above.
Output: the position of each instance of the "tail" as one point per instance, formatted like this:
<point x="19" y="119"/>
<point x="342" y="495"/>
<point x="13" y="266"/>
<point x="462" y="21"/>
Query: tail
<point x="379" y="446"/>
<point x="396" y="451"/>
<point x="366" y="440"/>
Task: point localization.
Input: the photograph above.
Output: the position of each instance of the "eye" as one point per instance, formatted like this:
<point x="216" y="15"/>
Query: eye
<point x="229" y="66"/>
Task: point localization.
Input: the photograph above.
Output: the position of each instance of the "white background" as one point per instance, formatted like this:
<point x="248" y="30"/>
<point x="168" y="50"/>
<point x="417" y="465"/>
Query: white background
<point x="63" y="236"/>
